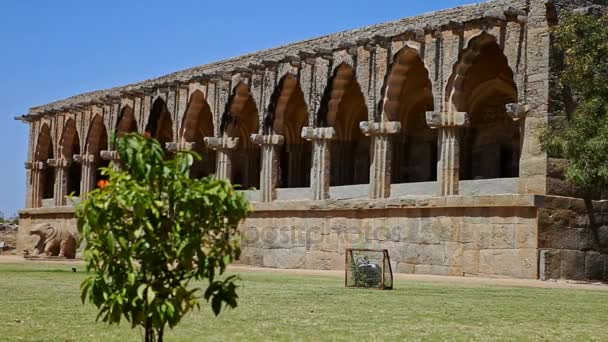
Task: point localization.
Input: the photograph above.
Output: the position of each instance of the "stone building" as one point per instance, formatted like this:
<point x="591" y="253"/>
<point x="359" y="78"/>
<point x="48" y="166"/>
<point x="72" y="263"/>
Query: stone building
<point x="419" y="136"/>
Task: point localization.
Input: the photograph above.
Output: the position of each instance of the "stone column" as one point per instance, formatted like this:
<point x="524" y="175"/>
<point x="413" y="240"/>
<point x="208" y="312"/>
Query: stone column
<point x="269" y="173"/>
<point x="382" y="151"/>
<point x="89" y="169"/>
<point x="448" y="166"/>
<point x="320" y="170"/>
<point x="61" y="179"/>
<point x="35" y="171"/>
<point x="223" y="147"/>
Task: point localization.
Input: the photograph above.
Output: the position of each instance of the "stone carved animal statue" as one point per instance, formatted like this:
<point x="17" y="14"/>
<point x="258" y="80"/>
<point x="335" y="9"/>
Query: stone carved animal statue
<point x="54" y="241"/>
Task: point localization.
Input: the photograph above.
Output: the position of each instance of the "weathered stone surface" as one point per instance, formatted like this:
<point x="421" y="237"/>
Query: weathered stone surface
<point x="459" y="218"/>
<point x="550" y="264"/>
<point x="594" y="266"/>
<point x="573" y="264"/>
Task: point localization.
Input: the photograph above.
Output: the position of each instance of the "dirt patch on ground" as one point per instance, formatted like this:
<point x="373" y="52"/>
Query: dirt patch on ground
<point x="9" y="237"/>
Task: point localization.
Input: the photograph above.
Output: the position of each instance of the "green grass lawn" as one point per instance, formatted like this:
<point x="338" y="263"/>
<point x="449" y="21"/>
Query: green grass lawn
<point x="41" y="303"/>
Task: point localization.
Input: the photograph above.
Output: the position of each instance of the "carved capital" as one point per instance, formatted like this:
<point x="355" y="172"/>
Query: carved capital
<point x="274" y="139"/>
<point x="372" y="128"/>
<point x="318" y="133"/>
<point x="445" y="120"/>
<point x="59" y="162"/>
<point x="52" y="162"/>
<point x="35" y="166"/>
<point x="84" y="159"/>
<point x="109" y="155"/>
<point x="223" y="143"/>
<point x="181" y="146"/>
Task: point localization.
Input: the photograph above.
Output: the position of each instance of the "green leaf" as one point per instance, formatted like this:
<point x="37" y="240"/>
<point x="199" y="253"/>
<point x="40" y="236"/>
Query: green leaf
<point x="150" y="295"/>
<point x="140" y="291"/>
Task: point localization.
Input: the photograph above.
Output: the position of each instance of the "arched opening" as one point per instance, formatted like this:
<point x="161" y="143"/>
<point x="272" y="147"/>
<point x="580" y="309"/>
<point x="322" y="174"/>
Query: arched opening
<point x="127" y="122"/>
<point x="288" y="114"/>
<point x="97" y="141"/>
<point x="408" y="95"/>
<point x="241" y="120"/>
<point x="46" y="179"/>
<point x="160" y="125"/>
<point x="69" y="146"/>
<point x="482" y="84"/>
<point x="198" y="124"/>
<point x="343" y="107"/>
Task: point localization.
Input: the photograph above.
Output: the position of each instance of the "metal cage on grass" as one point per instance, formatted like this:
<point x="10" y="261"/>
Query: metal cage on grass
<point x="368" y="268"/>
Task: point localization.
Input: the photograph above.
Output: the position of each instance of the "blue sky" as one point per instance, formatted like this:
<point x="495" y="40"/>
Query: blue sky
<point x="55" y="49"/>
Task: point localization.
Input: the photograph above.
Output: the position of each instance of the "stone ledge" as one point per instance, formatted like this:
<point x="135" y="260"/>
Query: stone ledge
<point x="513" y="200"/>
<point x="402" y="203"/>
<point x="47" y="211"/>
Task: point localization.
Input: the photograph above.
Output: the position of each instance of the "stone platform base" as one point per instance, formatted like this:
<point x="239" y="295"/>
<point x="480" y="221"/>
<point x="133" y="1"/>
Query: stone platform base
<point x="496" y="236"/>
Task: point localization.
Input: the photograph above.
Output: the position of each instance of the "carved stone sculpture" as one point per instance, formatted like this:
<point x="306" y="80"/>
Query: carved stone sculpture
<point x="54" y="241"/>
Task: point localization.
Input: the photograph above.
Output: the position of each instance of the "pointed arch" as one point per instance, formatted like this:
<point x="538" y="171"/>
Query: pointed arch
<point x="160" y="124"/>
<point x="241" y="120"/>
<point x="198" y="120"/>
<point x="127" y="123"/>
<point x="407" y="96"/>
<point x="483" y="60"/>
<point x="287" y="114"/>
<point x="44" y="144"/>
<point x="45" y="182"/>
<point x="196" y="125"/>
<point x="97" y="141"/>
<point x="482" y="84"/>
<point x="343" y="107"/>
<point x="69" y="145"/>
<point x="409" y="77"/>
<point x="97" y="137"/>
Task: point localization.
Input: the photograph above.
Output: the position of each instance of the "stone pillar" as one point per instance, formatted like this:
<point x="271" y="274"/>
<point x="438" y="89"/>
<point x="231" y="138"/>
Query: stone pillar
<point x="448" y="166"/>
<point x="61" y="179"/>
<point x="111" y="156"/>
<point x="89" y="169"/>
<point x="382" y="151"/>
<point x="320" y="170"/>
<point x="35" y="169"/>
<point x="223" y="147"/>
<point x="269" y="173"/>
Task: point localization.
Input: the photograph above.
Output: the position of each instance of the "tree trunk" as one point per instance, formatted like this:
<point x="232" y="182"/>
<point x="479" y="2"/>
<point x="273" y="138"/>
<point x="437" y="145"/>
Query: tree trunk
<point x="149" y="332"/>
<point x="160" y="334"/>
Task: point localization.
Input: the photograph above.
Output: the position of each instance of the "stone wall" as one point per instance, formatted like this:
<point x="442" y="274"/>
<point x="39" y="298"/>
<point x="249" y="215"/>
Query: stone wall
<point x="489" y="240"/>
<point x="516" y="236"/>
<point x="573" y="239"/>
